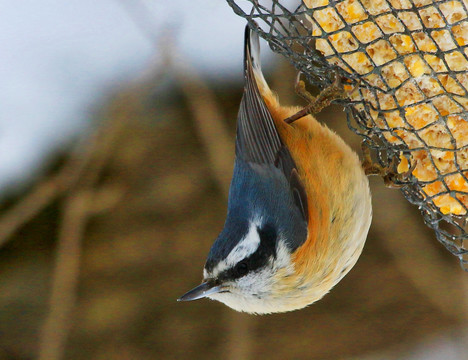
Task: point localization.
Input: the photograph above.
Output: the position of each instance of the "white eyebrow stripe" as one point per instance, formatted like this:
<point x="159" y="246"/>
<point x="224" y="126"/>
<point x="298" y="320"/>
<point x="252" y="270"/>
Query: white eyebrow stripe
<point x="246" y="247"/>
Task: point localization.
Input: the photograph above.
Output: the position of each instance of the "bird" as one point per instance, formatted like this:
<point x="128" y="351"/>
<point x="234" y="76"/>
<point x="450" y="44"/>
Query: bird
<point x="299" y="207"/>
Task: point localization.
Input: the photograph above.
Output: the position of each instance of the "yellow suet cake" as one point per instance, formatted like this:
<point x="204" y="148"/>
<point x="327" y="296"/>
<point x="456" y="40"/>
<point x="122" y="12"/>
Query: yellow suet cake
<point x="413" y="67"/>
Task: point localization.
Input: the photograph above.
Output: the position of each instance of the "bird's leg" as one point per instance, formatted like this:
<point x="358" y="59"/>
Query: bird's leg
<point x="391" y="179"/>
<point x="300" y="88"/>
<point x="316" y="104"/>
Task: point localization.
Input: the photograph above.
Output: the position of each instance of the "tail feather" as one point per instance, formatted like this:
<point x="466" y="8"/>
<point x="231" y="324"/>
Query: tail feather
<point x="252" y="60"/>
<point x="258" y="140"/>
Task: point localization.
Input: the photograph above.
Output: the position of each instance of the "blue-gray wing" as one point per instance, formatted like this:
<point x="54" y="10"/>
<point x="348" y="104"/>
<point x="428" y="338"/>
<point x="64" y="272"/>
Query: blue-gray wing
<point x="257" y="139"/>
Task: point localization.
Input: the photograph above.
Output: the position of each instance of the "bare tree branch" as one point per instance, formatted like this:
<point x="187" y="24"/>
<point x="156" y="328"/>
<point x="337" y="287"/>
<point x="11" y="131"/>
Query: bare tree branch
<point x="78" y="207"/>
<point x="65" y="279"/>
<point x="42" y="195"/>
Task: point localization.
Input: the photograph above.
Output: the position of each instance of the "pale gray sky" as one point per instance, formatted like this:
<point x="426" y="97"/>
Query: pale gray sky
<point x="57" y="58"/>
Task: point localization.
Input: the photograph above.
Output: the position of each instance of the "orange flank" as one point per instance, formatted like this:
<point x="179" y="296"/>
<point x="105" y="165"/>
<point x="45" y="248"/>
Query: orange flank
<point x="321" y="158"/>
<point x="338" y="202"/>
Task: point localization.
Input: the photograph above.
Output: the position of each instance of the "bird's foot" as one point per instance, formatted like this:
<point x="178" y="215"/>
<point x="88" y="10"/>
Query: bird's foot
<point x="316" y="103"/>
<point x="392" y="179"/>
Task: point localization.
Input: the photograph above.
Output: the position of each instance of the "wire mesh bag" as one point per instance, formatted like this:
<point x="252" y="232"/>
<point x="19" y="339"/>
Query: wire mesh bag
<point x="407" y="62"/>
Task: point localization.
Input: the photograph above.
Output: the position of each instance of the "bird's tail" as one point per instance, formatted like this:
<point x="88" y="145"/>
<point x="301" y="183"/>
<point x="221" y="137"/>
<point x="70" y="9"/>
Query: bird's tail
<point x="252" y="62"/>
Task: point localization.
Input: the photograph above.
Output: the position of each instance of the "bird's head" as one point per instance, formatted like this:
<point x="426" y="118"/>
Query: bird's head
<point x="249" y="276"/>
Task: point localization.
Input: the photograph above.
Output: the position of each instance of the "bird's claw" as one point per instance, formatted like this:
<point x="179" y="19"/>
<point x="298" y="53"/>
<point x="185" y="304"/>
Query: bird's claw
<point x="391" y="178"/>
<point x="316" y="103"/>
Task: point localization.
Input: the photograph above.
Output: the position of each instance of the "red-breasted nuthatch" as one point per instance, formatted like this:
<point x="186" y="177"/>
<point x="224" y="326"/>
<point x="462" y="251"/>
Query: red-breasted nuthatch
<point x="299" y="207"/>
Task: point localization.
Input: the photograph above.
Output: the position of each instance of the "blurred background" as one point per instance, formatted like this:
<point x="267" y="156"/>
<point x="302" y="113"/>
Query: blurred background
<point x="117" y="124"/>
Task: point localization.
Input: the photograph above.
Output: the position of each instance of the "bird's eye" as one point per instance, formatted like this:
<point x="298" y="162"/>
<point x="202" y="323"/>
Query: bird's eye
<point x="242" y="268"/>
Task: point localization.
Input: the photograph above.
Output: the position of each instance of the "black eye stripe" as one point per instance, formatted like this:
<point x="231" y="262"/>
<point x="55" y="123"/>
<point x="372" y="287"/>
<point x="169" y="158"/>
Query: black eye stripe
<point x="265" y="250"/>
<point x="268" y="236"/>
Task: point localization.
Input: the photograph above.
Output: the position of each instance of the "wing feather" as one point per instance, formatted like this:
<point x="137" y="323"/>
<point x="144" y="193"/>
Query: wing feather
<point x="258" y="140"/>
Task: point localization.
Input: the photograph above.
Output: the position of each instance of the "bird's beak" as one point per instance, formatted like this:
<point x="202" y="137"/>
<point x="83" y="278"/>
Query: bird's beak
<point x="201" y="291"/>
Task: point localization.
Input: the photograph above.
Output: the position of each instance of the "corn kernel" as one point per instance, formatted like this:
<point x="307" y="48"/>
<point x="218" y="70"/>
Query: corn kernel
<point x="420" y="3"/>
<point x="400" y="4"/>
<point x="394" y="119"/>
<point x="338" y="62"/>
<point x="328" y="19"/>
<point x="367" y="32"/>
<point x="456" y="61"/>
<point x="424" y="42"/>
<point x="461" y="33"/>
<point x="312" y="4"/>
<point x="376" y="81"/>
<point x="449" y="205"/>
<point x="456" y="182"/>
<point x="450" y="85"/>
<point x="434" y="188"/>
<point x="381" y="52"/>
<point x="429" y="86"/>
<point x="343" y="41"/>
<point x="431" y="17"/>
<point x="355" y="95"/>
<point x="376" y="119"/>
<point x="436" y="136"/>
<point x="464" y="200"/>
<point x="386" y="101"/>
<point x="323" y="46"/>
<point x="394" y="74"/>
<point x="402" y="43"/>
<point x="389" y="24"/>
<point x="359" y="62"/>
<point x="443" y="161"/>
<point x="461" y="100"/>
<point x="391" y="138"/>
<point x="453" y="11"/>
<point x="375" y="7"/>
<point x="463" y="79"/>
<point x="443" y="39"/>
<point x="421" y="115"/>
<point x="424" y="169"/>
<point x="352" y="11"/>
<point x="416" y="65"/>
<point x="409" y="138"/>
<point x="370" y="97"/>
<point x="403" y="165"/>
<point x="462" y="158"/>
<point x="459" y="129"/>
<point x="316" y="29"/>
<point x="411" y="20"/>
<point x="408" y="94"/>
<point x="446" y="106"/>
<point x="435" y="63"/>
